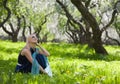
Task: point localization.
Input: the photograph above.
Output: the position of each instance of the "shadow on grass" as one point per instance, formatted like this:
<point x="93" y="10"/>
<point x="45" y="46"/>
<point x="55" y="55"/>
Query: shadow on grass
<point x="7" y="65"/>
<point x="9" y="50"/>
<point x="98" y="57"/>
<point x="82" y="52"/>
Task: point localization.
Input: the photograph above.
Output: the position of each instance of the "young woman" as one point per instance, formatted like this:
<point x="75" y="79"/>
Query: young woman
<point x="25" y="59"/>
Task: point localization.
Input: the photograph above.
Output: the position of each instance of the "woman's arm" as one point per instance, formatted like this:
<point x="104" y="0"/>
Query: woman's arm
<point x="27" y="53"/>
<point x="43" y="50"/>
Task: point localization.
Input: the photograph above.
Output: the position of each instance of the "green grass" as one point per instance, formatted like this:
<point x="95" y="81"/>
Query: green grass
<point x="70" y="63"/>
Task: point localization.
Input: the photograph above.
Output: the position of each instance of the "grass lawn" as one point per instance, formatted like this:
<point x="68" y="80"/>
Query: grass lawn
<point x="70" y="63"/>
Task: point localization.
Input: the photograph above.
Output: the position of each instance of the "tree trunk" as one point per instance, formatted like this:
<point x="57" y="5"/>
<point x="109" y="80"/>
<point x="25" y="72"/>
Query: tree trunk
<point x="13" y="33"/>
<point x="97" y="43"/>
<point x="30" y="29"/>
<point x="24" y="27"/>
<point x="88" y="34"/>
<point x="14" y="38"/>
<point x="23" y="35"/>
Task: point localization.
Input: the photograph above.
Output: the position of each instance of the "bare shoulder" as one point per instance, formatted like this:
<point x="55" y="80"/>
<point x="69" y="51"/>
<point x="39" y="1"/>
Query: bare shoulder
<point x="25" y="51"/>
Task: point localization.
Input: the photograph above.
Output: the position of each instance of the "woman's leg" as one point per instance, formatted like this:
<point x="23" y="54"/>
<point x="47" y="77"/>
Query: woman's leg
<point x="41" y="60"/>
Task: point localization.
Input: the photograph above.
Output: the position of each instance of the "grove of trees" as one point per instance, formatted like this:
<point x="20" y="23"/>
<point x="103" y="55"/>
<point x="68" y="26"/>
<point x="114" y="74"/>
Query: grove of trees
<point x="81" y="21"/>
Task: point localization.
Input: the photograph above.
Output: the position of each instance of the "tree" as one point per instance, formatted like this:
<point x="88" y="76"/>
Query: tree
<point x="31" y="15"/>
<point x="39" y="17"/>
<point x="18" y="20"/>
<point x="97" y="43"/>
<point x="73" y="27"/>
<point x="88" y="22"/>
<point x="14" y="22"/>
<point x="14" y="32"/>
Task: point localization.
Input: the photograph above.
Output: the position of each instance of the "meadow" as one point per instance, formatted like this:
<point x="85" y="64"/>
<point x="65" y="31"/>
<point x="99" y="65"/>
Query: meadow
<point x="70" y="63"/>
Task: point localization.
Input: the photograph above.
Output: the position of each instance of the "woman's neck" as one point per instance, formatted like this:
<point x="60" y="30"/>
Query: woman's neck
<point x="31" y="45"/>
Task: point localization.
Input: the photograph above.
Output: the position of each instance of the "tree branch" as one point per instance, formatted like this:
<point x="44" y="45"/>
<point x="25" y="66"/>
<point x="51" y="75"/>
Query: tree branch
<point x="112" y="38"/>
<point x="68" y="15"/>
<point x="8" y="32"/>
<point x="8" y="15"/>
<point x="87" y="15"/>
<point x="112" y="18"/>
<point x="18" y="24"/>
<point x="111" y="21"/>
<point x="24" y="27"/>
<point x="11" y="26"/>
<point x="87" y="3"/>
<point x="46" y="18"/>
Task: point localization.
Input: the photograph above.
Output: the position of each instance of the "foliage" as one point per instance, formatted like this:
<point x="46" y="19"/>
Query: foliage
<point x="62" y="22"/>
<point x="70" y="63"/>
<point x="32" y="11"/>
<point x="2" y="11"/>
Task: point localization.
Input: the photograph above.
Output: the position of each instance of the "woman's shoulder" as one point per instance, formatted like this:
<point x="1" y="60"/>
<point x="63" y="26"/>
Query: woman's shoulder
<point x="25" y="50"/>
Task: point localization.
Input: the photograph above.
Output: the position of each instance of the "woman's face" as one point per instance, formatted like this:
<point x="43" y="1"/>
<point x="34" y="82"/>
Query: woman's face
<point x="32" y="39"/>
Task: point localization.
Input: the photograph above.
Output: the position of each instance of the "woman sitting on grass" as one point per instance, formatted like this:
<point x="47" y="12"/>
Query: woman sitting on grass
<point x="31" y="58"/>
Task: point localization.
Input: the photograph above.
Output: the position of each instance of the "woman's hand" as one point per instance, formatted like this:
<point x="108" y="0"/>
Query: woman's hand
<point x="37" y="44"/>
<point x="42" y="70"/>
<point x="43" y="50"/>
